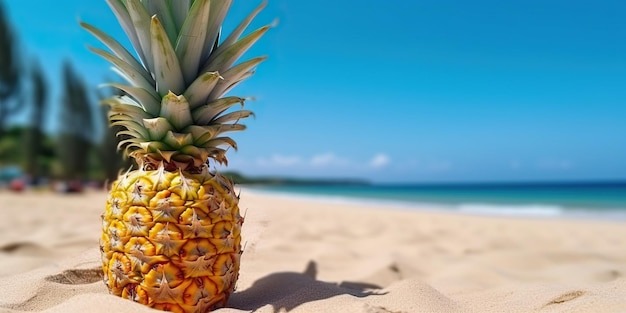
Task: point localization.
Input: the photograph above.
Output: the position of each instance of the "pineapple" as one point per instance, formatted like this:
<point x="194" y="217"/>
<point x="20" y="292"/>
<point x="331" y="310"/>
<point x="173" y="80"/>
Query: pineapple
<point x="171" y="231"/>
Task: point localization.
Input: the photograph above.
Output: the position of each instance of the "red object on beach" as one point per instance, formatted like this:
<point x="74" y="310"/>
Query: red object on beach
<point x="75" y="186"/>
<point x="17" y="184"/>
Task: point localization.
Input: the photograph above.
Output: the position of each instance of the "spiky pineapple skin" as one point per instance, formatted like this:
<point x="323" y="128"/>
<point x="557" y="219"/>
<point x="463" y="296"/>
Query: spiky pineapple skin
<point x="172" y="240"/>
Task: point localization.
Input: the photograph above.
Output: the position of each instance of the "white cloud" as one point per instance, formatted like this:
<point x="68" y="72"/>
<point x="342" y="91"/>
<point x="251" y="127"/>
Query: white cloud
<point x="327" y="159"/>
<point x="280" y="160"/>
<point x="318" y="160"/>
<point x="380" y="160"/>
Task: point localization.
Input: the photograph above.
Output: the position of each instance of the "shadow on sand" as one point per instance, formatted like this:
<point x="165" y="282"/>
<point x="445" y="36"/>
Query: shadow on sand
<point x="287" y="290"/>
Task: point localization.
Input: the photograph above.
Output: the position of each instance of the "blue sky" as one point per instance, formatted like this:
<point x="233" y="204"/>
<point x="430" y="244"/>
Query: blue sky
<point x="407" y="91"/>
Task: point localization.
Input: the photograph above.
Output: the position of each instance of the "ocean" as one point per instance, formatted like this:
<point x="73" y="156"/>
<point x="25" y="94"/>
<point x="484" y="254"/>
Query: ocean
<point x="594" y="200"/>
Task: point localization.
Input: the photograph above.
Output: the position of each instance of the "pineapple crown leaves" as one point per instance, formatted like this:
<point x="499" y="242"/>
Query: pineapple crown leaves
<point x="174" y="109"/>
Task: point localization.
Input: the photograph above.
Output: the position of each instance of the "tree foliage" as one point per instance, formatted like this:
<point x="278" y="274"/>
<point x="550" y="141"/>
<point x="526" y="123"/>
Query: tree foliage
<point x="9" y="71"/>
<point x="78" y="149"/>
<point x="111" y="158"/>
<point x="77" y="127"/>
<point x="35" y="135"/>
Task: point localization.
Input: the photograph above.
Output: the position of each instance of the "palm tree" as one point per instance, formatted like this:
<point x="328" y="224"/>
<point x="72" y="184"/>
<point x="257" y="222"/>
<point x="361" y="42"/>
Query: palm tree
<point x="9" y="71"/>
<point x="111" y="159"/>
<point x="35" y="134"/>
<point x="75" y="139"/>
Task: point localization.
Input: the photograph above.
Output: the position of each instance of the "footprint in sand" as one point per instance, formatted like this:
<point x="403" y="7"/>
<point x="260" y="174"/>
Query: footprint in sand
<point x="23" y="248"/>
<point x="610" y="275"/>
<point x="71" y="283"/>
<point x="569" y="296"/>
<point x="77" y="277"/>
<point x="379" y="309"/>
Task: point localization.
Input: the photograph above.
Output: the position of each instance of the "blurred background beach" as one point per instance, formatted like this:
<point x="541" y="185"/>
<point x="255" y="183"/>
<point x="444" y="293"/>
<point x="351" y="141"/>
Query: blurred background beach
<point x="373" y="123"/>
<point x="413" y="95"/>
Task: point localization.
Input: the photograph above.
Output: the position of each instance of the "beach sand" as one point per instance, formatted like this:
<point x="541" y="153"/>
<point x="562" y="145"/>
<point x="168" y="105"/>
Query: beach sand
<point x="319" y="256"/>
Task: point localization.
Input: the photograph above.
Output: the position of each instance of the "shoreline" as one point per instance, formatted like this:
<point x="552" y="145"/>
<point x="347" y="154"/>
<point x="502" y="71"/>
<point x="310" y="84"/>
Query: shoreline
<point x="539" y="211"/>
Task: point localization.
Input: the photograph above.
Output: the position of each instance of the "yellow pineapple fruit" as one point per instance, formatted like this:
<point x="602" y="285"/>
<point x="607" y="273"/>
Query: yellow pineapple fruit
<point x="171" y="231"/>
